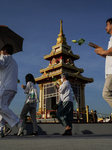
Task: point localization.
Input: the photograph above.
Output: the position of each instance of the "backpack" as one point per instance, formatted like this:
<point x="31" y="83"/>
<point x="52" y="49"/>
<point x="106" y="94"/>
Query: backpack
<point x="32" y="97"/>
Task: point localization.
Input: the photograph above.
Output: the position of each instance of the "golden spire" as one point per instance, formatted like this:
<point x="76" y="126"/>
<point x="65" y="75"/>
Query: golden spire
<point x="61" y="37"/>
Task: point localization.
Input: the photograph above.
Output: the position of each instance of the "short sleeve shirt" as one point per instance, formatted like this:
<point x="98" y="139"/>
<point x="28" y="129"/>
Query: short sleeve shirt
<point x="108" y="62"/>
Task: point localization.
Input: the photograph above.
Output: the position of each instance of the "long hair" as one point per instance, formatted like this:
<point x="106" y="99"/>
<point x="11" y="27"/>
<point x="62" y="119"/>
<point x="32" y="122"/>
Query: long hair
<point x="29" y="77"/>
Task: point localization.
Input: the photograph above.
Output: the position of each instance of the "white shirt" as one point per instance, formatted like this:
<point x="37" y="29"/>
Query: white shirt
<point x="8" y="73"/>
<point x="65" y="92"/>
<point x="108" y="62"/>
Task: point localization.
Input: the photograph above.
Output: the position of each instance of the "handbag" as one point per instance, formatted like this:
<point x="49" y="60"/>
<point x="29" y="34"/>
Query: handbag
<point x="32" y="97"/>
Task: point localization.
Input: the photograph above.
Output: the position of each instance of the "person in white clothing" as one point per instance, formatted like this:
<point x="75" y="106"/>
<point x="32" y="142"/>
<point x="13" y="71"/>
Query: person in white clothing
<point x="65" y="110"/>
<point x="29" y="106"/>
<point x="8" y="88"/>
<point x="107" y="90"/>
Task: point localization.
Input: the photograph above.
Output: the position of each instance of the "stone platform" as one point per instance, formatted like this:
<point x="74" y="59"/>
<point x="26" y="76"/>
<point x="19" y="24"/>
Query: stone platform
<point x="78" y="129"/>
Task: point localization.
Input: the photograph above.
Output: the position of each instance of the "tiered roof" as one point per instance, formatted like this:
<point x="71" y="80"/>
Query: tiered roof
<point x="61" y="59"/>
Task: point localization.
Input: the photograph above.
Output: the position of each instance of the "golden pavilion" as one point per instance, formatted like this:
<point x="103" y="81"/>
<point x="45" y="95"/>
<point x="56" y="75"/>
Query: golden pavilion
<point x="61" y="59"/>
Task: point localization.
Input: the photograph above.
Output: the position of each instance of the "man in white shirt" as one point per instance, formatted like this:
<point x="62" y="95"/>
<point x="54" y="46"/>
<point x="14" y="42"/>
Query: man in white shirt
<point x="107" y="90"/>
<point x="65" y="110"/>
<point x="8" y="88"/>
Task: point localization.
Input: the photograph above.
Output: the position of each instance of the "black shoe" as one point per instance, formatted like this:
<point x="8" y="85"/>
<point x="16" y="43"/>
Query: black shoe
<point x="67" y="132"/>
<point x="34" y="134"/>
<point x="6" y="130"/>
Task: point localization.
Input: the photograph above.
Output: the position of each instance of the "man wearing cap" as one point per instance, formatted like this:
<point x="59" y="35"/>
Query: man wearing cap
<point x="65" y="110"/>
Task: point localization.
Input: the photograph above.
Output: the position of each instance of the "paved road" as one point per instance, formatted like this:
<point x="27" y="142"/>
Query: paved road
<point x="57" y="142"/>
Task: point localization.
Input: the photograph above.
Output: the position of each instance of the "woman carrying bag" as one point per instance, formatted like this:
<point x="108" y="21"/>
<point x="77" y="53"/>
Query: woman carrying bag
<point x="30" y="104"/>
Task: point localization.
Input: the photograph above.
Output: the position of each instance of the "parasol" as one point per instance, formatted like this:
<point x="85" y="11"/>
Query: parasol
<point x="7" y="36"/>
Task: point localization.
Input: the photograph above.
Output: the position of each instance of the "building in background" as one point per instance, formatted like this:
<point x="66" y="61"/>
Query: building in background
<point x="61" y="59"/>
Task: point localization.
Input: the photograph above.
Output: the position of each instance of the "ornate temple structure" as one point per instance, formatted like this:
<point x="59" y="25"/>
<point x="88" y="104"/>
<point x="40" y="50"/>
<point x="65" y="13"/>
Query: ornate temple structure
<point x="61" y="59"/>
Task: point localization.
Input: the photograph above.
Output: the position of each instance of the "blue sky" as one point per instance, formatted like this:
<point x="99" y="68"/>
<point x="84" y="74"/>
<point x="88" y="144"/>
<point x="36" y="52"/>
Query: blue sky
<point x="38" y="22"/>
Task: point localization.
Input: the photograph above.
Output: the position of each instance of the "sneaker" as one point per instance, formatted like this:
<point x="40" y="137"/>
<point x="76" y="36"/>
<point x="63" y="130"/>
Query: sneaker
<point x="22" y="134"/>
<point x="6" y="130"/>
<point x="21" y="127"/>
<point x="34" y="134"/>
<point x="1" y="134"/>
<point x="67" y="132"/>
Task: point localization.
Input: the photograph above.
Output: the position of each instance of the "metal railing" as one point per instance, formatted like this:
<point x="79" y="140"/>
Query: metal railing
<point x="84" y="116"/>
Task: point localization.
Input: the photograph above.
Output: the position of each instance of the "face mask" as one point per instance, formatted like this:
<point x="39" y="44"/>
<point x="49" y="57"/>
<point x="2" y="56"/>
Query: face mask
<point x="61" y="80"/>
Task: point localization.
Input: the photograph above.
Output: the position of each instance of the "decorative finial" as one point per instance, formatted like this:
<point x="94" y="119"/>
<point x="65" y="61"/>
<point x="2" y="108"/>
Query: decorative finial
<point x="61" y="37"/>
<point x="61" y="28"/>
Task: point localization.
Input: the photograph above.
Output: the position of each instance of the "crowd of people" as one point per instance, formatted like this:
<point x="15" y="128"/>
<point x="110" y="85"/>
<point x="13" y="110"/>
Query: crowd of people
<point x="8" y="90"/>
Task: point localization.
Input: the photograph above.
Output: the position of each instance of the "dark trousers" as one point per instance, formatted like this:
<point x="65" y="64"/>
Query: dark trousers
<point x="32" y="110"/>
<point x="65" y="113"/>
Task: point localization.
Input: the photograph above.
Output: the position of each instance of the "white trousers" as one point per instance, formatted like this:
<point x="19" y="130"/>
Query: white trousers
<point x="7" y="114"/>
